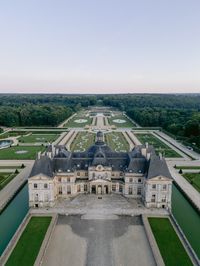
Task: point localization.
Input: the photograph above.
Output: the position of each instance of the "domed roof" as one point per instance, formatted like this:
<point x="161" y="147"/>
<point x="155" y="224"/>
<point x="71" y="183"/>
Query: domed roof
<point x="97" y="147"/>
<point x="99" y="134"/>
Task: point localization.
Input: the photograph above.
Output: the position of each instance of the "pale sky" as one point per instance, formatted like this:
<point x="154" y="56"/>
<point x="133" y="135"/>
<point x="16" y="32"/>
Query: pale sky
<point x="99" y="46"/>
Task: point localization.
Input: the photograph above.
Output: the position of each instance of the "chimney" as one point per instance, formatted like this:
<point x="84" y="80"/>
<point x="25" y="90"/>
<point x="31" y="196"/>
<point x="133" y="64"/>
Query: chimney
<point x="160" y="156"/>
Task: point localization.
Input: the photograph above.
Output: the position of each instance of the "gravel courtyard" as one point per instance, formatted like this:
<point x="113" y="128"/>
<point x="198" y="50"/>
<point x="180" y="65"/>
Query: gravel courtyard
<point x="99" y="241"/>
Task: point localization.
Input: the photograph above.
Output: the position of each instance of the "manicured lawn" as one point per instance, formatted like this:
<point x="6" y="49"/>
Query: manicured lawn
<point x="12" y="134"/>
<point x="5" y="178"/>
<point x="38" y="138"/>
<point x="170" y="246"/>
<point x="10" y="153"/>
<point x="82" y="141"/>
<point x="117" y="142"/>
<point x="193" y="179"/>
<point x="158" y="145"/>
<point x="28" y="246"/>
<point x="127" y="122"/>
<point x="74" y="122"/>
<point x="188" y="167"/>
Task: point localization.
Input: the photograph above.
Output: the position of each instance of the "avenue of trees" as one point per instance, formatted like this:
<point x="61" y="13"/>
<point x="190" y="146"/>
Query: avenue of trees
<point x="178" y="114"/>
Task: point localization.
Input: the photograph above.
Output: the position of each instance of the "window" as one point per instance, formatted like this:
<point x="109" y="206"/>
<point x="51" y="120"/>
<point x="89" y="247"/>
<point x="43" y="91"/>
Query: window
<point x="78" y="188"/>
<point x="78" y="174"/>
<point x="153" y="198"/>
<point x="45" y="185"/>
<point x="164" y="199"/>
<point x="154" y="186"/>
<point x="130" y="180"/>
<point x="85" y="188"/>
<point x="68" y="189"/>
<point x="60" y="190"/>
<point x="139" y="180"/>
<point x="113" y="187"/>
<point x="164" y="187"/>
<point x="139" y="191"/>
<point x="130" y="190"/>
<point x="35" y="185"/>
<point x="120" y="188"/>
<point x="121" y="174"/>
<point x="36" y="197"/>
<point x="86" y="173"/>
<point x="68" y="179"/>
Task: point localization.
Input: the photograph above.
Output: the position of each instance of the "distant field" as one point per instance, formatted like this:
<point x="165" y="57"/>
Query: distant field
<point x="28" y="246"/>
<point x="115" y="120"/>
<point x="5" y="178"/>
<point x="38" y="138"/>
<point x="158" y="145"/>
<point x="117" y="142"/>
<point x="29" y="152"/>
<point x="193" y="179"/>
<point x="82" y="141"/>
<point x="171" y="248"/>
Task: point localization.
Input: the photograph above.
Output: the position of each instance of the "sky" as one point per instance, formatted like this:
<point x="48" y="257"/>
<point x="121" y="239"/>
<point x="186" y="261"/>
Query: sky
<point x="99" y="46"/>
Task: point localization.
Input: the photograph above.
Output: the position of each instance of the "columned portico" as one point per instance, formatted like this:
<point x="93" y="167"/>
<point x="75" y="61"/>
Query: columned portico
<point x="100" y="187"/>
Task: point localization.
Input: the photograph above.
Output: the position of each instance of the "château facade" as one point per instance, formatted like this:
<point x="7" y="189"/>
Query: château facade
<point x="139" y="173"/>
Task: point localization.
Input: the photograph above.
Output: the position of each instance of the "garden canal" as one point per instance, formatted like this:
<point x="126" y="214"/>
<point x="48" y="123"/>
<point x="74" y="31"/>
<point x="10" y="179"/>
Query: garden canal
<point x="185" y="214"/>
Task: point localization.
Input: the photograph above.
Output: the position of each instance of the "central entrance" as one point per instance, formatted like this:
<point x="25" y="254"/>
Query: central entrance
<point x="99" y="188"/>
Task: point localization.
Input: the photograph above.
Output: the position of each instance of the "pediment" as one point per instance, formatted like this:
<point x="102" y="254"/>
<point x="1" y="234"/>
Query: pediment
<point x="40" y="177"/>
<point x="160" y="178"/>
<point x="100" y="181"/>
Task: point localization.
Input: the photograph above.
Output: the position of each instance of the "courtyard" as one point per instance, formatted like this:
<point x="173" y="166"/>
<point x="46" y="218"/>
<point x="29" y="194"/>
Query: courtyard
<point x="79" y="240"/>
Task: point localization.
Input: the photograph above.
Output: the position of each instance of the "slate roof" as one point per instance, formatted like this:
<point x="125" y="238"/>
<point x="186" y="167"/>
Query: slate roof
<point x="100" y="153"/>
<point x="42" y="166"/>
<point x="158" y="166"/>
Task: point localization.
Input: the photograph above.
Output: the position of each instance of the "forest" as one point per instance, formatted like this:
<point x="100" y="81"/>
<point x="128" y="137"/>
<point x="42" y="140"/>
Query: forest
<point x="178" y="114"/>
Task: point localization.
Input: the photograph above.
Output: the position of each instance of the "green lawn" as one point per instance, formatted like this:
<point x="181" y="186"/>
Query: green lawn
<point x="127" y="122"/>
<point x="10" y="153"/>
<point x="28" y="246"/>
<point x="5" y="178"/>
<point x="38" y="138"/>
<point x="158" y="145"/>
<point x="12" y="134"/>
<point x="117" y="142"/>
<point x="82" y="141"/>
<point x="192" y="167"/>
<point x="72" y="122"/>
<point x="193" y="179"/>
<point x="170" y="246"/>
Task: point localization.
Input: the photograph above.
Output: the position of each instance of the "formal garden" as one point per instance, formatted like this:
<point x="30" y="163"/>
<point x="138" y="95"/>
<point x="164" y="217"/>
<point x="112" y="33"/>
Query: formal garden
<point x="82" y="141"/>
<point x="117" y="142"/>
<point x="160" y="146"/>
<point x="120" y="121"/>
<point x="20" y="152"/>
<point x="79" y="120"/>
<point x="38" y="138"/>
<point x="193" y="179"/>
<point x="5" y="178"/>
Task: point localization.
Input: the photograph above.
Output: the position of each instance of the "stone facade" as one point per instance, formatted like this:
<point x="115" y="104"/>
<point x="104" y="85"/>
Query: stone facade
<point x="138" y="174"/>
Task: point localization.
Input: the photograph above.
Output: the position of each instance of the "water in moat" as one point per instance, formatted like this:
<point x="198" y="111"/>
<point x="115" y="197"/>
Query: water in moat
<point x="187" y="217"/>
<point x="185" y="214"/>
<point x="12" y="216"/>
